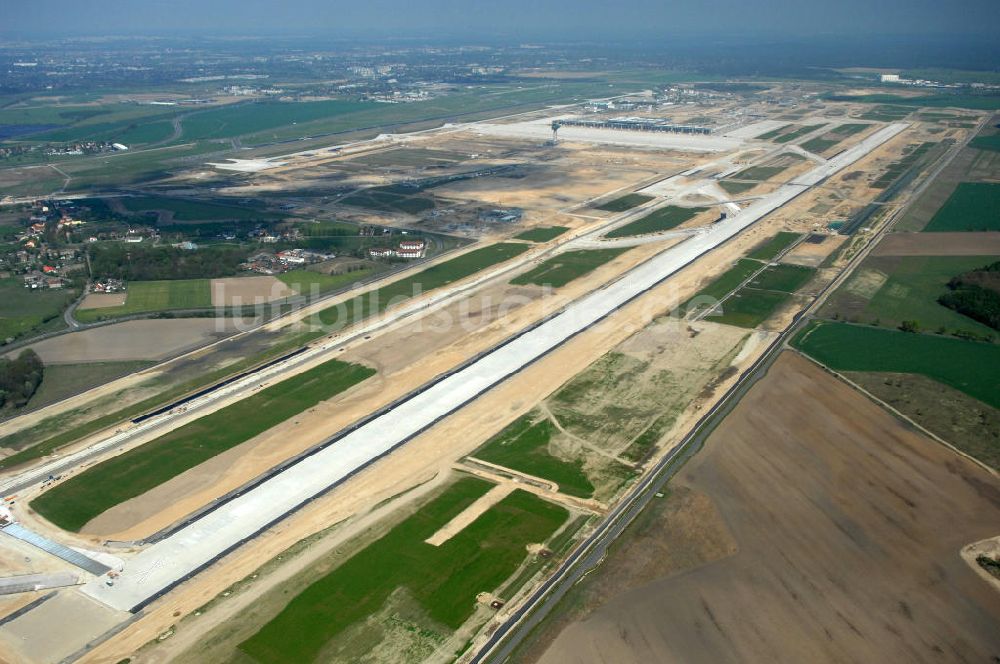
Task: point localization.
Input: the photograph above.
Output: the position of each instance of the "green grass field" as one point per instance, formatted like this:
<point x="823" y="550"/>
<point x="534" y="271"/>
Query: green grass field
<point x="768" y="249"/>
<point x="991" y="143"/>
<point x="622" y="203"/>
<point x="977" y="102"/>
<point x="257" y="117"/>
<point x="748" y="307"/>
<point x="723" y="285"/>
<point x="659" y="220"/>
<point x="523" y="446"/>
<point x="71" y="504"/>
<point x="387" y="199"/>
<point x="797" y="133"/>
<point x="541" y="234"/>
<point x="968" y="366"/>
<point x="910" y="291"/>
<point x="734" y="187"/>
<point x="443" y="580"/>
<point x="774" y="133"/>
<point x="564" y="268"/>
<point x="973" y="206"/>
<point x="306" y="282"/>
<point x="24" y="311"/>
<point x="65" y="380"/>
<point x="442" y="274"/>
<point x="188" y="210"/>
<point x="151" y="296"/>
<point x="784" y="278"/>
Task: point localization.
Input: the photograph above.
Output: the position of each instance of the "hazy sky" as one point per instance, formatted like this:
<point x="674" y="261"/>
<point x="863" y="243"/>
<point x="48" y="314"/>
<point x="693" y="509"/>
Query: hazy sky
<point x="589" y="18"/>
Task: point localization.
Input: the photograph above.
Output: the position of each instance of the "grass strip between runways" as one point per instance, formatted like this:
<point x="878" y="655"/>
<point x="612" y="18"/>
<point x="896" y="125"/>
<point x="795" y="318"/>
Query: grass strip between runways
<point x="444" y="580"/>
<point x="76" y="501"/>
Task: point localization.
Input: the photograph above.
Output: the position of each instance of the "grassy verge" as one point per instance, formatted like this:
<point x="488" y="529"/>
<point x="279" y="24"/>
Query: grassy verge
<point x="564" y="268"/>
<point x="442" y="274"/>
<point x="71" y="504"/>
<point x="723" y="285"/>
<point x="622" y="203"/>
<point x="967" y="366"/>
<point x="523" y="446"/>
<point x="443" y="580"/>
<point x="768" y="249"/>
<point x="542" y="234"/>
<point x="659" y="220"/>
<point x="65" y="380"/>
<point x="305" y="282"/>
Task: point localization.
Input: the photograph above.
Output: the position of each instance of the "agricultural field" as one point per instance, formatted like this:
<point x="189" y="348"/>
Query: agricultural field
<point x="565" y="267"/>
<point x="656" y="221"/>
<point x="967" y="366"/>
<point x="190" y="210"/>
<point x="974" y="206"/>
<point x="780" y="551"/>
<point x="623" y="203"/>
<point x="989" y="143"/>
<point x="144" y="297"/>
<point x="74" y="502"/>
<point x="401" y="589"/>
<point x="24" y="312"/>
<point x="887" y="290"/>
<point x="436" y="276"/>
<point x="769" y="249"/>
<point x="541" y="234"/>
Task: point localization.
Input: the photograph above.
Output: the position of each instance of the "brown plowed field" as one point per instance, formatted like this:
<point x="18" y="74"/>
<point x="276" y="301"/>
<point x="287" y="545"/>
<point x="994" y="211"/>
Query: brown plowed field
<point x="938" y="244"/>
<point x="823" y="530"/>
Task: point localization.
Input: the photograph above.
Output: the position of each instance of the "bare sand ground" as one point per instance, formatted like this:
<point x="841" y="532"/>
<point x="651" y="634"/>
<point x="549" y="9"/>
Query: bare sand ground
<point x="133" y="340"/>
<point x="470" y="514"/>
<point x="102" y="300"/>
<point x="837" y="538"/>
<point x="236" y="291"/>
<point x="811" y="254"/>
<point x="938" y="244"/>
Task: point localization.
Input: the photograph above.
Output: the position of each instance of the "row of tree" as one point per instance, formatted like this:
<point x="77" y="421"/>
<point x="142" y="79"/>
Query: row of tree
<point x="976" y="294"/>
<point x="135" y="262"/>
<point x="19" y="379"/>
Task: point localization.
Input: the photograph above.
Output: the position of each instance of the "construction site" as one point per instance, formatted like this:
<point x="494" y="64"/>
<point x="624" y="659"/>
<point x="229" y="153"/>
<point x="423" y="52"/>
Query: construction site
<point x="479" y="414"/>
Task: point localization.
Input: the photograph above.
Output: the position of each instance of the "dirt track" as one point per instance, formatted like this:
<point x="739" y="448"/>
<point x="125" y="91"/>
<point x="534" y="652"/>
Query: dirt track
<point x="835" y="532"/>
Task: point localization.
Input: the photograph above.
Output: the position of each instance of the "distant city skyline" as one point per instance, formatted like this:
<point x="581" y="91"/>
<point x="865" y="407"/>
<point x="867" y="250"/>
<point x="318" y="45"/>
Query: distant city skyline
<point x="583" y="18"/>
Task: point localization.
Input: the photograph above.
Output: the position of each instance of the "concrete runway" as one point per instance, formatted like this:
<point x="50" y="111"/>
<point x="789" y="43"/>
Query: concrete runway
<point x="175" y="558"/>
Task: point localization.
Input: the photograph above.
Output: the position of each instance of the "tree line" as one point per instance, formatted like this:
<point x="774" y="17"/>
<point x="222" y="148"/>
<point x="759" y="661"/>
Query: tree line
<point x="19" y="379"/>
<point x="975" y="294"/>
<point x="134" y="262"/>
